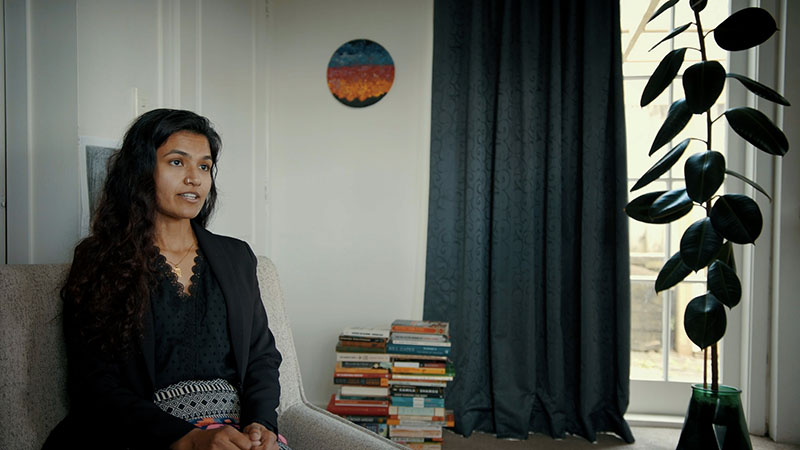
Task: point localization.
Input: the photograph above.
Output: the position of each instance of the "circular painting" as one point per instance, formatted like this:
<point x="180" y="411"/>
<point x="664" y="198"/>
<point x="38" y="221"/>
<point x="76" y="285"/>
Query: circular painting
<point x="360" y="73"/>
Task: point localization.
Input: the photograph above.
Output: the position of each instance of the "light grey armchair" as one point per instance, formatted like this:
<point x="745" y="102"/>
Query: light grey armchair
<point x="33" y="364"/>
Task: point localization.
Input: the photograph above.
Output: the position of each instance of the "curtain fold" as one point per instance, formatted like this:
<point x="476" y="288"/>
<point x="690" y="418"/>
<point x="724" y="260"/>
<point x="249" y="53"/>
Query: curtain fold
<point x="527" y="239"/>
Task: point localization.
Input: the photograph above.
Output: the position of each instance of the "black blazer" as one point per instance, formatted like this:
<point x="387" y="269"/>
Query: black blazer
<point x="111" y="404"/>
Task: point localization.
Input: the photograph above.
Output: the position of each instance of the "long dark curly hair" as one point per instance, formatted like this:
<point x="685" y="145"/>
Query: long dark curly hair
<point x="114" y="269"/>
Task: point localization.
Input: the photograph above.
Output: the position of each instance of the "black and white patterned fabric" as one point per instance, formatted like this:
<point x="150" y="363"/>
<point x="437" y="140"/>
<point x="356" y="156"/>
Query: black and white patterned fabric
<point x="205" y="404"/>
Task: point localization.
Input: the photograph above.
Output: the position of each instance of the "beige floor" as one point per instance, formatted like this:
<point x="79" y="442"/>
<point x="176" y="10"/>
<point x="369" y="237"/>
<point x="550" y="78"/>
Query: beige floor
<point x="646" y="439"/>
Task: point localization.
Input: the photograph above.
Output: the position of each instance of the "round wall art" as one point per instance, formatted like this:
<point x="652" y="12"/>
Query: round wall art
<point x="360" y="73"/>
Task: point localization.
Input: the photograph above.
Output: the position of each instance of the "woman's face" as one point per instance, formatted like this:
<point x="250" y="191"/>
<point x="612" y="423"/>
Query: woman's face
<point x="182" y="176"/>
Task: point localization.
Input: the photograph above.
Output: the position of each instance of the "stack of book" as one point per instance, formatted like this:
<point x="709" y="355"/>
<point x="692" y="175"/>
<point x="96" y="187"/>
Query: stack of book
<point x="420" y="371"/>
<point x="362" y="375"/>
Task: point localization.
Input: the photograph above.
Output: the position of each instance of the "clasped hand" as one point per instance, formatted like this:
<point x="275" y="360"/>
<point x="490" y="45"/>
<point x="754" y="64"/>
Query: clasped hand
<point x="254" y="437"/>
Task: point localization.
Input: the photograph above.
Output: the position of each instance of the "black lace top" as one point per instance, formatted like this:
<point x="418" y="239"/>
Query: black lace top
<point x="191" y="330"/>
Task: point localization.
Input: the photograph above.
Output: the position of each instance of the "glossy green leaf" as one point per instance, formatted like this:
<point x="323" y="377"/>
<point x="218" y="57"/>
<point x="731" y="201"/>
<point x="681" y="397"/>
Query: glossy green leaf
<point x="704" y="172"/>
<point x="700" y="244"/>
<point x="726" y="255"/>
<point x="724" y="284"/>
<point x="677" y="118"/>
<point x="663" y="75"/>
<point x="662" y="166"/>
<point x="760" y="90"/>
<point x="748" y="181"/>
<point x="703" y="83"/>
<point x="672" y="34"/>
<point x="705" y="320"/>
<point x="737" y="218"/>
<point x="671" y="205"/>
<point x="641" y="209"/>
<point x="745" y="29"/>
<point x="673" y="272"/>
<point x="698" y="5"/>
<point x="752" y="125"/>
<point x="663" y="8"/>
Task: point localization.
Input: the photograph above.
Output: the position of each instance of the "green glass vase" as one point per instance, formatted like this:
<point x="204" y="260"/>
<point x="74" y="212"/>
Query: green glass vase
<point x="715" y="420"/>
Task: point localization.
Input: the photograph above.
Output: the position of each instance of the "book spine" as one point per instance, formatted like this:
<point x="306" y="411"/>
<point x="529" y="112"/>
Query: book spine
<point x="365" y="332"/>
<point x="365" y="391"/>
<point x="354" y="349"/>
<point x="423" y="343"/>
<point x="421" y="377"/>
<point x="418" y="421"/>
<point x="420" y="364"/>
<point x="377" y="428"/>
<point x="375" y="403"/>
<point x="361" y="381"/>
<point x="359" y="410"/>
<point x="418" y="402"/>
<point x="417" y="329"/>
<point x="361" y="374"/>
<point x="361" y="339"/>
<point x="366" y="419"/>
<point x="360" y="370"/>
<point x="410" y="410"/>
<point x="432" y="384"/>
<point x="362" y="344"/>
<point x="417" y="349"/>
<point x="419" y="336"/>
<point x="363" y="365"/>
<point x="421" y="370"/>
<point x="359" y="356"/>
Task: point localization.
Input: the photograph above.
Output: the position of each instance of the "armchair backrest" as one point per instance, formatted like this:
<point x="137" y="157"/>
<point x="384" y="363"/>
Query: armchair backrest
<point x="33" y="363"/>
<point x="33" y="366"/>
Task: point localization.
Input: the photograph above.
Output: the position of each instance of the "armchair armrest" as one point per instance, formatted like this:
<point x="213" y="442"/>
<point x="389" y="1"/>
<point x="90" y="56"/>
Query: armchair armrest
<point x="308" y="427"/>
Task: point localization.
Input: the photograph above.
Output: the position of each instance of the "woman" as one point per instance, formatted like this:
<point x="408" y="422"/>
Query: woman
<point x="167" y="338"/>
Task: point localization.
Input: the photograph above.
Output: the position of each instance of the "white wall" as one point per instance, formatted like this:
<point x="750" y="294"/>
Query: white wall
<point x="74" y="69"/>
<point x="200" y="55"/>
<point x="348" y="185"/>
<point x="42" y="133"/>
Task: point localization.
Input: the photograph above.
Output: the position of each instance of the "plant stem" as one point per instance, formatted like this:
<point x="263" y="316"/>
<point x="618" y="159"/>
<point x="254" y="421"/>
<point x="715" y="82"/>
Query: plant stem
<point x="714" y="368"/>
<point x="700" y="36"/>
<point x="714" y="358"/>
<point x="705" y="368"/>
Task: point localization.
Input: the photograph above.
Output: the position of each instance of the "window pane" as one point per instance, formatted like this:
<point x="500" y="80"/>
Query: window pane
<point x="646" y="332"/>
<point x="638" y="36"/>
<point x="641" y="126"/>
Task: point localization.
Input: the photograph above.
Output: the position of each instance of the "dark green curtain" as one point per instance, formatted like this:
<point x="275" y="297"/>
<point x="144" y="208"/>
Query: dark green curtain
<point x="527" y="239"/>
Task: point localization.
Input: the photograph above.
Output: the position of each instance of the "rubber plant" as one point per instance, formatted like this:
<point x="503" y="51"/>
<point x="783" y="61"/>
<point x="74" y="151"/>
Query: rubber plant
<point x="731" y="218"/>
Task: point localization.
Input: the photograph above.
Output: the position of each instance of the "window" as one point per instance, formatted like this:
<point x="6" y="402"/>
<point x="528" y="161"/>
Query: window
<point x="660" y="350"/>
